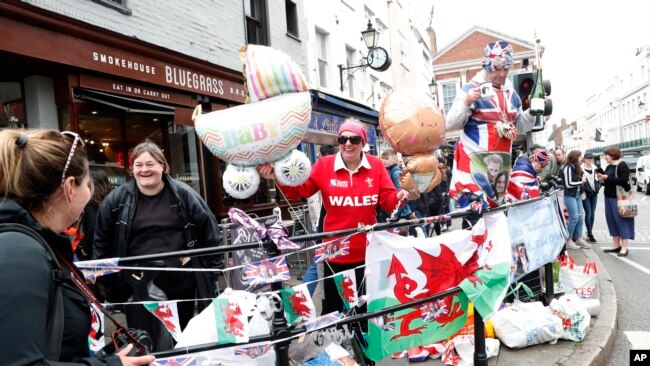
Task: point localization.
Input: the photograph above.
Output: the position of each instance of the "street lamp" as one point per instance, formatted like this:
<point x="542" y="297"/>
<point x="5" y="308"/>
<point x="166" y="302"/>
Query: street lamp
<point x="377" y="58"/>
<point x="370" y="36"/>
<point x="433" y="87"/>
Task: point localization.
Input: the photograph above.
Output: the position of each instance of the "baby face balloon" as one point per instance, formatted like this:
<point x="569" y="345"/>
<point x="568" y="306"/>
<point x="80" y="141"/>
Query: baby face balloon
<point x="411" y="122"/>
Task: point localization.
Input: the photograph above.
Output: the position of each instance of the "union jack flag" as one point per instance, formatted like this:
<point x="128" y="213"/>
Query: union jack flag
<point x="266" y="271"/>
<point x="175" y="361"/>
<point x="386" y="322"/>
<point x="523" y="181"/>
<point x="332" y="249"/>
<point x="479" y="138"/>
<point x="322" y="321"/>
<point x="431" y="310"/>
<point x="254" y="352"/>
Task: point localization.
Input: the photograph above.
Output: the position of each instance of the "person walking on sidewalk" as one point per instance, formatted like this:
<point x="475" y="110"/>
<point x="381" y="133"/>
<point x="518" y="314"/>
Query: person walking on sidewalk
<point x="617" y="174"/>
<point x="573" y="178"/>
<point x="590" y="188"/>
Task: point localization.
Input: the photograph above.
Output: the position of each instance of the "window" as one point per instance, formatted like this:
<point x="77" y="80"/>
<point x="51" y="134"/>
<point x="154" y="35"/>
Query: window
<point x="427" y="63"/>
<point x="12" y="105"/>
<point x="256" y="22"/>
<point x="321" y="54"/>
<point x="349" y="59"/>
<point x="119" y="5"/>
<point x="402" y="49"/>
<point x="448" y="95"/>
<point x="292" y="18"/>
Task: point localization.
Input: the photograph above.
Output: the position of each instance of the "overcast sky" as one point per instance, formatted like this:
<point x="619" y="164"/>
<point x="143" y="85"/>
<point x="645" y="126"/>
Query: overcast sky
<point x="587" y="42"/>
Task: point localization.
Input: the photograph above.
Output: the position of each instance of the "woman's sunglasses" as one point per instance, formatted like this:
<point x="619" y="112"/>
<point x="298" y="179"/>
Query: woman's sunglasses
<point x="354" y="140"/>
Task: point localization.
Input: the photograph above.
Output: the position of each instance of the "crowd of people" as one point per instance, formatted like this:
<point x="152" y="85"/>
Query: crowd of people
<point x="46" y="186"/>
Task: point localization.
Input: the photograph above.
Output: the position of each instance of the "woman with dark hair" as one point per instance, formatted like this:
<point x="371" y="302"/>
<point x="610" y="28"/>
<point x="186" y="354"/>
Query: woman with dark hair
<point x="45" y="318"/>
<point x="617" y="174"/>
<point x="500" y="184"/>
<point x="101" y="188"/>
<point x="573" y="179"/>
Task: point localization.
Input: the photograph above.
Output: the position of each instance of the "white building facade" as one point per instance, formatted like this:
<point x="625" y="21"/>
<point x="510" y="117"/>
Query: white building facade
<point x="334" y="38"/>
<point x="619" y="108"/>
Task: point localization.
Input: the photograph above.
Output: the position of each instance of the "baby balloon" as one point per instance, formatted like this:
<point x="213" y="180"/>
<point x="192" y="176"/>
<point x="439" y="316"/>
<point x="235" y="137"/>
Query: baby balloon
<point x="264" y="131"/>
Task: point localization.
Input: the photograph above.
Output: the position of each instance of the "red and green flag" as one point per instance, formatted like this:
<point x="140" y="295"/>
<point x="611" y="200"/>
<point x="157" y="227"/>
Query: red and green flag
<point x="298" y="305"/>
<point x="404" y="269"/>
<point x="346" y="284"/>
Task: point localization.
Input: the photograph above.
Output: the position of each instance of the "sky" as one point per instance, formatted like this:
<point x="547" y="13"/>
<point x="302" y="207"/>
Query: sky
<point x="586" y="42"/>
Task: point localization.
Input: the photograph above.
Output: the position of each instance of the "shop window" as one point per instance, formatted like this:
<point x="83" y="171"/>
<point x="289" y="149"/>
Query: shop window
<point x="264" y="194"/>
<point x="12" y="105"/>
<point x="292" y="18"/>
<point x="119" y="5"/>
<point x="183" y="161"/>
<point x="257" y="30"/>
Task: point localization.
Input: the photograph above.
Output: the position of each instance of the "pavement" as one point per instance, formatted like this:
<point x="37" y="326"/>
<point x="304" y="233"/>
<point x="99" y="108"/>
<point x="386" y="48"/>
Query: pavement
<point x="592" y="351"/>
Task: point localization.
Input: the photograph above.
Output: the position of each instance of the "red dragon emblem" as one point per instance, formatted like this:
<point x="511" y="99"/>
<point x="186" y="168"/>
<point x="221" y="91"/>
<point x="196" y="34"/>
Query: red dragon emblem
<point x="346" y="289"/>
<point x="231" y="317"/>
<point x="442" y="273"/>
<point x="164" y="313"/>
<point x="298" y="304"/>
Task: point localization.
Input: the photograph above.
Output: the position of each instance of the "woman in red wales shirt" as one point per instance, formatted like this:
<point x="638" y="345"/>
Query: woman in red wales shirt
<point x="352" y="184"/>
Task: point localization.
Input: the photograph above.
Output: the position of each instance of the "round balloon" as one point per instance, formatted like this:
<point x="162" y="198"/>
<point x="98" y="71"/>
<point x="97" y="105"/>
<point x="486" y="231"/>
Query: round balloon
<point x="411" y="122"/>
<point x="256" y="133"/>
<point x="240" y="181"/>
<point x="420" y="173"/>
<point x="293" y="170"/>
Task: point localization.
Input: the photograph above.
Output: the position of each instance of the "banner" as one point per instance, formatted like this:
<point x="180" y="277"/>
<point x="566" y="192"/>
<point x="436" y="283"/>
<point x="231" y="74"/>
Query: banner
<point x="403" y="269"/>
<point x="537" y="235"/>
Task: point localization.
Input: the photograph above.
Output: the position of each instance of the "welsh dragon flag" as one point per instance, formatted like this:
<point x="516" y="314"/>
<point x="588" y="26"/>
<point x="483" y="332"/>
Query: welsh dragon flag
<point x="232" y="324"/>
<point x="346" y="284"/>
<point x="167" y="313"/>
<point x="405" y="269"/>
<point x="298" y="303"/>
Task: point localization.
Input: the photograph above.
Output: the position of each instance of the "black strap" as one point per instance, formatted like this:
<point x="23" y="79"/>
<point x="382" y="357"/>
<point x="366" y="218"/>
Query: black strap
<point x="54" y="322"/>
<point x="87" y="292"/>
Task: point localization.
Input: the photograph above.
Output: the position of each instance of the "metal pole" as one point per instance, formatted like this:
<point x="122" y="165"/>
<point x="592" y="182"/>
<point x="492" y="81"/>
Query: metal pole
<point x="548" y="278"/>
<point x="480" y="356"/>
<point x="280" y="328"/>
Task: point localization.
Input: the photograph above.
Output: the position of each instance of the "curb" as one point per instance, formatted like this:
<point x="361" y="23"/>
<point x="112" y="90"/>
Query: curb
<point x="600" y="340"/>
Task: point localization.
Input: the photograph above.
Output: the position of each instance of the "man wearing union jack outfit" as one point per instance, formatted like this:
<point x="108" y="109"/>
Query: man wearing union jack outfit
<point x="489" y="112"/>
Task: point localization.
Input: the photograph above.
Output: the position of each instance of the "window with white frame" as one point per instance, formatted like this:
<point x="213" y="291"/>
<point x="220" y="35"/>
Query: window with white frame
<point x="427" y="63"/>
<point x="350" y="54"/>
<point x="448" y="95"/>
<point x="321" y="54"/>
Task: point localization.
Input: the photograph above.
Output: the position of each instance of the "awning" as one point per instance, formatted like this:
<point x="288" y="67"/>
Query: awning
<point x="328" y="103"/>
<point x="129" y="105"/>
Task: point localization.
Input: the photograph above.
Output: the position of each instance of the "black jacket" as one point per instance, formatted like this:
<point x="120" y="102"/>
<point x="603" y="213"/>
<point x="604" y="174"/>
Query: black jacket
<point x="26" y="288"/>
<point x="571" y="180"/>
<point x="116" y="215"/>
<point x="617" y="175"/>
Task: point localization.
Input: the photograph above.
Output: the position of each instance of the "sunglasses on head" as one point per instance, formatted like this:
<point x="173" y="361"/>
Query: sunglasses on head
<point x="76" y="139"/>
<point x="354" y="140"/>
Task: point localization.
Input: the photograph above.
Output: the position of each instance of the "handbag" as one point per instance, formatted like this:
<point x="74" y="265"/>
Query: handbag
<point x="625" y="201"/>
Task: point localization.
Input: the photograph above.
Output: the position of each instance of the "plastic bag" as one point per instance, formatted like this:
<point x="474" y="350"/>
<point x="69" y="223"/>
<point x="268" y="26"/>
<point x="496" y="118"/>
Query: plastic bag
<point x="526" y="324"/>
<point x="574" y="315"/>
<point x="578" y="280"/>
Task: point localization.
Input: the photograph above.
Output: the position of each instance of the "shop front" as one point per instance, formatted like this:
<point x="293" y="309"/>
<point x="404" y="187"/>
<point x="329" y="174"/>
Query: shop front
<point x="116" y="91"/>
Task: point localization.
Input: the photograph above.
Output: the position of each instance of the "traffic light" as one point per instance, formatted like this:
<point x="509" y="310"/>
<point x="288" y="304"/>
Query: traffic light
<point x="524" y="83"/>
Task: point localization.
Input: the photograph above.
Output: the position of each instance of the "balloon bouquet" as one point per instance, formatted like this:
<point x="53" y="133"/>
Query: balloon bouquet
<point x="266" y="129"/>
<point x="413" y="125"/>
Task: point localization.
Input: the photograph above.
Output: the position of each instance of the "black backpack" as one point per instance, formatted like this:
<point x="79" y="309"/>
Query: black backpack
<point x="54" y="325"/>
